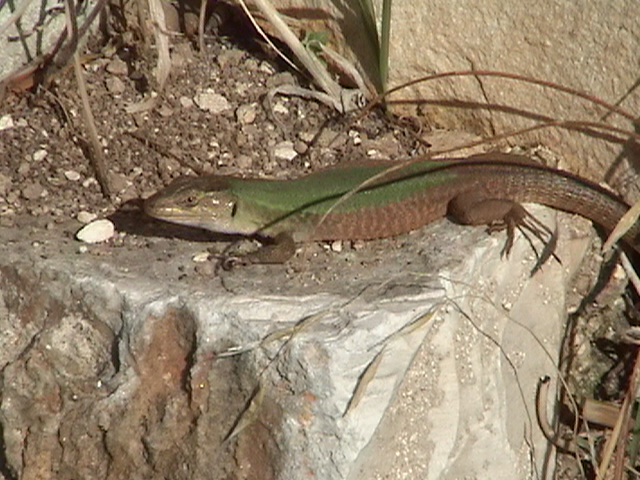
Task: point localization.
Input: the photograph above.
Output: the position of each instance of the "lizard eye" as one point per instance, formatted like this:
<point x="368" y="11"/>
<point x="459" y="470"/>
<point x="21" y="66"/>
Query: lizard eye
<point x="191" y="200"/>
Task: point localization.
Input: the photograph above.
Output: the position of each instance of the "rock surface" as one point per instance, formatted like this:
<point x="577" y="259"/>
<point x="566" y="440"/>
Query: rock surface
<point x="123" y="363"/>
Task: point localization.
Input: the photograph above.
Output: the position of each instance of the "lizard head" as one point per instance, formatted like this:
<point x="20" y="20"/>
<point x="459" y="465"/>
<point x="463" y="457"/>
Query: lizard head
<point x="205" y="202"/>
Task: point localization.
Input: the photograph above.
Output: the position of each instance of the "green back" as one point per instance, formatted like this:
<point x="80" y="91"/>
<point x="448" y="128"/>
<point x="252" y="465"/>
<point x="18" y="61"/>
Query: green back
<point x="314" y="194"/>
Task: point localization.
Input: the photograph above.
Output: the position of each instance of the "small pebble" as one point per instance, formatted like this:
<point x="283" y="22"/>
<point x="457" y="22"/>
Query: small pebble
<point x="300" y="147"/>
<point x="229" y="58"/>
<point x="32" y="191"/>
<point x="280" y="108"/>
<point x="211" y="102"/>
<point x="283" y="78"/>
<point x="117" y="67"/>
<point x="201" y="257"/>
<point x="185" y="102"/>
<point x="182" y="53"/>
<point x="165" y="111"/>
<point x="86" y="217"/>
<point x="96" y="231"/>
<point x="244" y="162"/>
<point x="247" y="113"/>
<point x="266" y="67"/>
<point x="72" y="175"/>
<point x="284" y="151"/>
<point x="336" y="246"/>
<point x="89" y="181"/>
<point x="114" y="85"/>
<point x="6" y="122"/>
<point x="39" y="155"/>
<point x="23" y="168"/>
<point x="205" y="269"/>
<point x="357" y="245"/>
<point x="307" y="137"/>
<point x="5" y="184"/>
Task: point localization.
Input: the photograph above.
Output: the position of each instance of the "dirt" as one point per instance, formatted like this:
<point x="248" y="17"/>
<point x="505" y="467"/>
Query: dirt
<point x="46" y="179"/>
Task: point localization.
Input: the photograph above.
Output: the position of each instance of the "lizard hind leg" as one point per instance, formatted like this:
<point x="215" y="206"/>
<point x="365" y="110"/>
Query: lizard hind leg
<point x="474" y="208"/>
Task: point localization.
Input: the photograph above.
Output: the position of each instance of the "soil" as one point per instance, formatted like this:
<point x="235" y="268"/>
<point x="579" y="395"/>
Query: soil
<point x="46" y="178"/>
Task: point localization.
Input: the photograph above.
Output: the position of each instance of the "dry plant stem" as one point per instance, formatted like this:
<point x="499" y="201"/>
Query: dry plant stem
<point x="576" y="125"/>
<point x="162" y="42"/>
<point x="96" y="156"/>
<point x="265" y="37"/>
<point x="550" y="434"/>
<point x="142" y="24"/>
<point x="201" y="18"/>
<point x="512" y="76"/>
<point x="625" y="223"/>
<point x="631" y="273"/>
<point x="308" y="60"/>
<point x="621" y="430"/>
<point x="13" y="18"/>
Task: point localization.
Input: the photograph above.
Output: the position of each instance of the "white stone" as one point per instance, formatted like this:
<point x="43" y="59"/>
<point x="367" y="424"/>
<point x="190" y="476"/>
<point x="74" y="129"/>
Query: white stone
<point x="39" y="155"/>
<point x="280" y="108"/>
<point x="86" y="217"/>
<point x="285" y="151"/>
<point x="6" y="122"/>
<point x="96" y="231"/>
<point x="201" y="257"/>
<point x="72" y="175"/>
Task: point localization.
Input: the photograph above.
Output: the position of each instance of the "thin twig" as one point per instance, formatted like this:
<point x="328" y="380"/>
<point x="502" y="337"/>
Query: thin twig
<point x="96" y="156"/>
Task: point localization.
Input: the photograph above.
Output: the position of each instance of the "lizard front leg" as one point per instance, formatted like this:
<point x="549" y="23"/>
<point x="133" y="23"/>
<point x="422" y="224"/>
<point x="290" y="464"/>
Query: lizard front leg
<point x="278" y="249"/>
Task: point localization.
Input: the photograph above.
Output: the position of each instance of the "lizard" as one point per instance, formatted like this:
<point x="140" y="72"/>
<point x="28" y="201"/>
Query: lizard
<point x="482" y="189"/>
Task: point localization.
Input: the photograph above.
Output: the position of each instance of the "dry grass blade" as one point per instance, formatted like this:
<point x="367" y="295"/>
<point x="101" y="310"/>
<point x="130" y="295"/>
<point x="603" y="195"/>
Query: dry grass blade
<point x="248" y="415"/>
<point x="627" y="221"/>
<point x="363" y="382"/>
<point x="369" y="372"/>
<point x="265" y="37"/>
<point x="305" y="57"/>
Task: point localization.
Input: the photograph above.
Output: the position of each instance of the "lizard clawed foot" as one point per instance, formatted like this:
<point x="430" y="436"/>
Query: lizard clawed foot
<point x="275" y="250"/>
<point x="527" y="223"/>
<point x="229" y="262"/>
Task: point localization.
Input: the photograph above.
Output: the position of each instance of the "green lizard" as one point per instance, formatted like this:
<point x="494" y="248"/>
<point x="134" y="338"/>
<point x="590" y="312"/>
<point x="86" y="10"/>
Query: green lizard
<point x="484" y="189"/>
